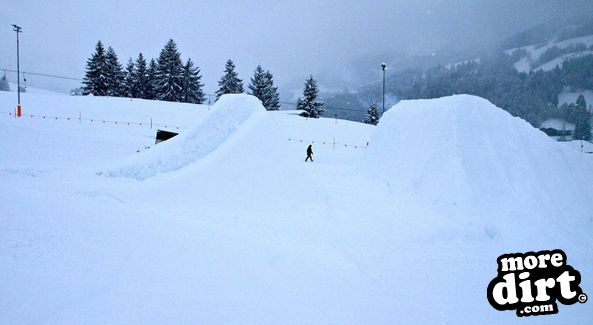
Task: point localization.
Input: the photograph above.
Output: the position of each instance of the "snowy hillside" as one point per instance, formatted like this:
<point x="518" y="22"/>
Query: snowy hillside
<point x="226" y="223"/>
<point x="532" y="53"/>
<point x="557" y="62"/>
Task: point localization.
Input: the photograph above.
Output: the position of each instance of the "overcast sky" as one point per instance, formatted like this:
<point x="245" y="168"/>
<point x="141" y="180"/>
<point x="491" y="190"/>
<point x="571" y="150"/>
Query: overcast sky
<point x="290" y="38"/>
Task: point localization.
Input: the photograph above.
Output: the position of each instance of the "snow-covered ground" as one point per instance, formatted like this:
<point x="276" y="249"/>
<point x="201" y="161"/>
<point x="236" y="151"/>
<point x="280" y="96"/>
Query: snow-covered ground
<point x="228" y="225"/>
<point x="581" y="146"/>
<point x="523" y="65"/>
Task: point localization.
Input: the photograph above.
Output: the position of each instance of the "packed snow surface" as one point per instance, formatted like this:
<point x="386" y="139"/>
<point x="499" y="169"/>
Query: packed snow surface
<point x="484" y="159"/>
<point x="226" y="223"/>
<point x="229" y="115"/>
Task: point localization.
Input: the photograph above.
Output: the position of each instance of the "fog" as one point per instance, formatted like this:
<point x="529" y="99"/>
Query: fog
<point x="291" y="38"/>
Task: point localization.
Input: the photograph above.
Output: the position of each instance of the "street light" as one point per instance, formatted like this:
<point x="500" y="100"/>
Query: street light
<point x="383" y="67"/>
<point x="18" y="30"/>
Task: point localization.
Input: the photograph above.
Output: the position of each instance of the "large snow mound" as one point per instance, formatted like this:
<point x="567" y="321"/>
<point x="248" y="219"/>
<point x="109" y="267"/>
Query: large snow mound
<point x="464" y="152"/>
<point x="230" y="114"/>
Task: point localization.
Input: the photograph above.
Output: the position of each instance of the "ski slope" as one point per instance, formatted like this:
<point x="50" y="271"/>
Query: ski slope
<point x="536" y="50"/>
<point x="559" y="61"/>
<point x="226" y="223"/>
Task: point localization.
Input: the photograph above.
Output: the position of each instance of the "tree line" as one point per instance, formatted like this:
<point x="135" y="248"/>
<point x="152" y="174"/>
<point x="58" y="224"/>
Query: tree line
<point x="167" y="78"/>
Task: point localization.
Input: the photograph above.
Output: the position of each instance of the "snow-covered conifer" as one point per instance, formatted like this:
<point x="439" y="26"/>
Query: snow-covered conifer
<point x="169" y="74"/>
<point x="130" y="80"/>
<point x="262" y="87"/>
<point x="309" y="103"/>
<point x="372" y="114"/>
<point x="142" y="86"/>
<point x="229" y="83"/>
<point x="114" y="74"/>
<point x="152" y="80"/>
<point x="192" y="87"/>
<point x="95" y="79"/>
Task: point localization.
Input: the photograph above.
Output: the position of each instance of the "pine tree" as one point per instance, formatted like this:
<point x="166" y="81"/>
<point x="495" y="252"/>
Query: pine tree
<point x="581" y="103"/>
<point x="309" y="104"/>
<point x="372" y="114"/>
<point x="582" y="128"/>
<point x="4" y="85"/>
<point x="152" y="80"/>
<point x="229" y="83"/>
<point x="192" y="88"/>
<point x="169" y="74"/>
<point x="262" y="87"/>
<point x="273" y="99"/>
<point x="95" y="79"/>
<point x="130" y="80"/>
<point x="142" y="86"/>
<point x="257" y="86"/>
<point x="114" y="74"/>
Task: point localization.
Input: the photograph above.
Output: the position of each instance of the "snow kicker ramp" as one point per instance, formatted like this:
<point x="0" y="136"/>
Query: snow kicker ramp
<point x="228" y="117"/>
<point x="464" y="153"/>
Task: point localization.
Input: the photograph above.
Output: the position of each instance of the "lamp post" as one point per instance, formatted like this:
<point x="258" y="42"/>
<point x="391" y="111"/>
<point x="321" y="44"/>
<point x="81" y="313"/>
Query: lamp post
<point x="18" y="30"/>
<point x="383" y="67"/>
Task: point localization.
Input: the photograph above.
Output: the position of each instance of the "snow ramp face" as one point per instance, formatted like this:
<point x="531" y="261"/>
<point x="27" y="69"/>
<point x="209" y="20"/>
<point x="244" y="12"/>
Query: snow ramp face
<point x="462" y="152"/>
<point x="228" y="116"/>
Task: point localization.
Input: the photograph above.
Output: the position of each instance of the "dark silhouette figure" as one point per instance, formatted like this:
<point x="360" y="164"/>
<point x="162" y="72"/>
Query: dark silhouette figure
<point x="309" y="152"/>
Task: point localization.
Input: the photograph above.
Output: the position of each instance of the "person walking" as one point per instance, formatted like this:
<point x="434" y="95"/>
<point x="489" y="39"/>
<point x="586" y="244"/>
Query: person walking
<point x="309" y="152"/>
